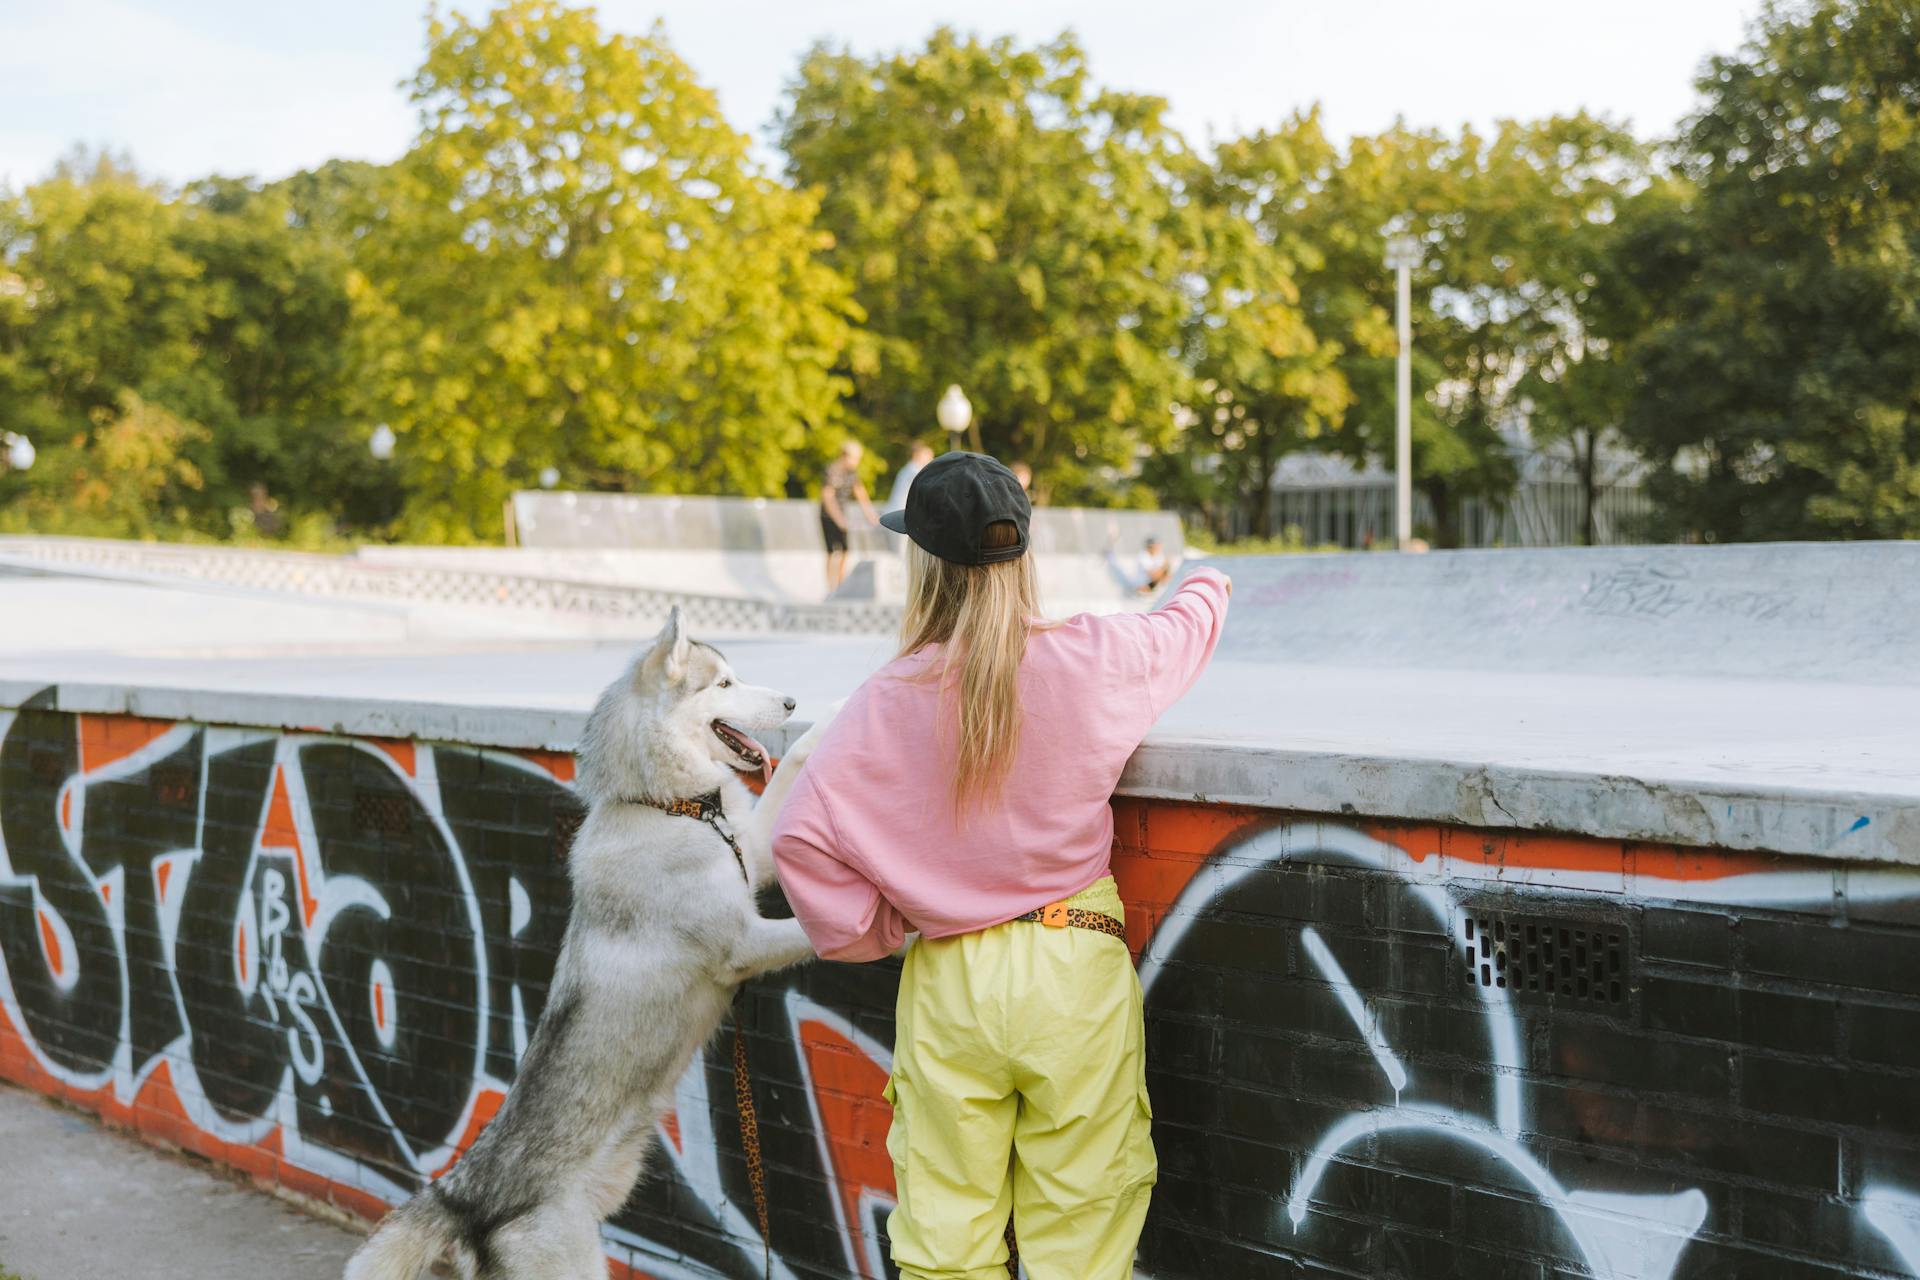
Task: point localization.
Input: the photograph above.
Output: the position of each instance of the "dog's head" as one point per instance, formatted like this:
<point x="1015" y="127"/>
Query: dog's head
<point x="676" y="723"/>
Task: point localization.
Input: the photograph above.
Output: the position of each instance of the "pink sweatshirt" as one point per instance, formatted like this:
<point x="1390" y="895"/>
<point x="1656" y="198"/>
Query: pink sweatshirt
<point x="867" y="847"/>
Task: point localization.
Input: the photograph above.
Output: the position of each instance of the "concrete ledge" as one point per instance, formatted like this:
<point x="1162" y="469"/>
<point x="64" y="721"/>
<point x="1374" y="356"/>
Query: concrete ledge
<point x="1740" y="698"/>
<point x="1828" y="823"/>
<point x="1841" y="822"/>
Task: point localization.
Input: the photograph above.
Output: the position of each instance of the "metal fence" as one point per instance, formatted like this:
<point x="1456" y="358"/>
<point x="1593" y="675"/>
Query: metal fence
<point x="1330" y="502"/>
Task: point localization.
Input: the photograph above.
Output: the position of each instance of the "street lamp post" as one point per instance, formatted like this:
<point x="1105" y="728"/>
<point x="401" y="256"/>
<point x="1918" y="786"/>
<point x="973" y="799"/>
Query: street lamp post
<point x="954" y="413"/>
<point x="1403" y="251"/>
<point x="381" y="444"/>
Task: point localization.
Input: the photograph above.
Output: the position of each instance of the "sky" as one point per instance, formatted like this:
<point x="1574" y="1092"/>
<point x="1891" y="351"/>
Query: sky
<point x="268" y="87"/>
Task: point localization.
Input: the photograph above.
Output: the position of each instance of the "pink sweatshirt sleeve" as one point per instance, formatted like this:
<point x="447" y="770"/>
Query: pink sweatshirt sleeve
<point x="1181" y="635"/>
<point x="843" y="912"/>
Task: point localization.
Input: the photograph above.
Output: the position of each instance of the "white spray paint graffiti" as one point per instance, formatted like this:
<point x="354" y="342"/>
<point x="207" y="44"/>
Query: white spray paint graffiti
<point x="290" y="912"/>
<point x="1619" y="1236"/>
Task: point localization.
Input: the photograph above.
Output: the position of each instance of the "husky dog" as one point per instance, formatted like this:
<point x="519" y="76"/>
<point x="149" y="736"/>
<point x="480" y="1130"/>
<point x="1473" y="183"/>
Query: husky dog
<point x="663" y="930"/>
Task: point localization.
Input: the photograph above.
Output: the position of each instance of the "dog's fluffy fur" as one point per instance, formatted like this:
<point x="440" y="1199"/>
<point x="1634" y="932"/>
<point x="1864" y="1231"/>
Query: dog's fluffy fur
<point x="664" y="928"/>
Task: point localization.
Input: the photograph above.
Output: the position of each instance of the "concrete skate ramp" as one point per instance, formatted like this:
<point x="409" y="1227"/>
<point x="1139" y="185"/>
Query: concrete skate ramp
<point x="1789" y="611"/>
<point x="772" y="548"/>
<point x="437" y="598"/>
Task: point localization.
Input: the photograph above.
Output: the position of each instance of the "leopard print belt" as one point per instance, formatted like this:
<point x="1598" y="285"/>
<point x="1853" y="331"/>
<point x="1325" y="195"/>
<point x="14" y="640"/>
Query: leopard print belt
<point x="1058" y="915"/>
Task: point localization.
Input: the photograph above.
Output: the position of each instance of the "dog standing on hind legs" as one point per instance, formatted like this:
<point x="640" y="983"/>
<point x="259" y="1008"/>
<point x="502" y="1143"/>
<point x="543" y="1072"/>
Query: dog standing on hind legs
<point x="664" y="929"/>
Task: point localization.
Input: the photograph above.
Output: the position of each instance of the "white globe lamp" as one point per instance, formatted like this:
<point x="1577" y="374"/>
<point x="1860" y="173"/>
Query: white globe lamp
<point x="954" y="413"/>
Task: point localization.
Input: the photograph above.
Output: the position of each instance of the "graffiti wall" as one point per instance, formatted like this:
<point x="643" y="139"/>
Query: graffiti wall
<point x="1375" y="1049"/>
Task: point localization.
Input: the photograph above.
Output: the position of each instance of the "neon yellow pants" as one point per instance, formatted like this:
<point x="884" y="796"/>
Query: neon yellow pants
<point x="1019" y="1085"/>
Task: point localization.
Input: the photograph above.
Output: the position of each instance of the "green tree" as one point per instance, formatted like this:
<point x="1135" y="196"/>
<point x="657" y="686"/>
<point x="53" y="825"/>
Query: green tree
<point x="205" y="323"/>
<point x="578" y="265"/>
<point x="1405" y="180"/>
<point x="272" y="334"/>
<point x="1581" y="390"/>
<point x="1778" y="379"/>
<point x="1506" y="226"/>
<point x="104" y="297"/>
<point x="99" y="316"/>
<point x="133" y="475"/>
<point x="1271" y="326"/>
<point x="1011" y="228"/>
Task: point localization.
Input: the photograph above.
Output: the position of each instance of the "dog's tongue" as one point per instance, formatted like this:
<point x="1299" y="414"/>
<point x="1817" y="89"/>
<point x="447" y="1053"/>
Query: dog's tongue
<point x="766" y="760"/>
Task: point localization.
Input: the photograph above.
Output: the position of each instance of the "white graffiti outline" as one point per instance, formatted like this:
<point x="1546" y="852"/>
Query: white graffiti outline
<point x="425" y="786"/>
<point x="1895" y="1214"/>
<point x="189" y="1092"/>
<point x="1363" y="1019"/>
<point x="123" y="1081"/>
<point x="119" y="1077"/>
<point x="1621" y="1237"/>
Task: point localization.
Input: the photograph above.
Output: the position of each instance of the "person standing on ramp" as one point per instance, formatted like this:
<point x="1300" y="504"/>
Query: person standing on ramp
<point x="962" y="792"/>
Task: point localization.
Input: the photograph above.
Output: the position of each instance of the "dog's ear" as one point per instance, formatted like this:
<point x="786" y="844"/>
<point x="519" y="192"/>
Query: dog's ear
<point x="668" y="655"/>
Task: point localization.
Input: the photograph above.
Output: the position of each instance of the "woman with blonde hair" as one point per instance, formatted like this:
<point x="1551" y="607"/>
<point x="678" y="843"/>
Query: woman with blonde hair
<point x="962" y="793"/>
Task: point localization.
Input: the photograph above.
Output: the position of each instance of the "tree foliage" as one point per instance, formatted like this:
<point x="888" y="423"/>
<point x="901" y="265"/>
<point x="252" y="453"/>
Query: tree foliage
<point x="577" y="265"/>
<point x="1778" y="368"/>
<point x="200" y="324"/>
<point x="1264" y="339"/>
<point x="1297" y="338"/>
<point x="1012" y="228"/>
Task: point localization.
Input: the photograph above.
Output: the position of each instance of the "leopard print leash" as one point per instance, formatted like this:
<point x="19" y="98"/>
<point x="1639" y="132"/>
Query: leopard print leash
<point x="707" y="809"/>
<point x="750" y="1138"/>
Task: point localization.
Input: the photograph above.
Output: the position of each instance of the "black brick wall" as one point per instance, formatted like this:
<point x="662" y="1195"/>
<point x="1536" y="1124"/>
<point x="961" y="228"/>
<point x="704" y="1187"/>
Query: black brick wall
<point x="1335" y="1091"/>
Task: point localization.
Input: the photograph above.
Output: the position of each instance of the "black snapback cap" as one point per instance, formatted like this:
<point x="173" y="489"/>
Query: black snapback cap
<point x="951" y="503"/>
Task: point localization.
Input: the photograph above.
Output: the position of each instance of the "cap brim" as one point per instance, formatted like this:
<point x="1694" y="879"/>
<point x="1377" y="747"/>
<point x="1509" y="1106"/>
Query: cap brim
<point x="894" y="520"/>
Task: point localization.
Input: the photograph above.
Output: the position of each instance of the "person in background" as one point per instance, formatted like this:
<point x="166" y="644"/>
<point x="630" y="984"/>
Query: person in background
<point x="1154" y="567"/>
<point x="921" y="455"/>
<point x="838" y="494"/>
<point x="1024" y="474"/>
<point x="264" y="510"/>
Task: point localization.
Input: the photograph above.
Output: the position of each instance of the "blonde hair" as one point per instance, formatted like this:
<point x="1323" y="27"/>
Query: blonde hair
<point x="982" y="615"/>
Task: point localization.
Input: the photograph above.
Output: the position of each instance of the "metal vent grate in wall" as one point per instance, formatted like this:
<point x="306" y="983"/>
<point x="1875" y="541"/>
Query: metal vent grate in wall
<point x="381" y="813"/>
<point x="1546" y="959"/>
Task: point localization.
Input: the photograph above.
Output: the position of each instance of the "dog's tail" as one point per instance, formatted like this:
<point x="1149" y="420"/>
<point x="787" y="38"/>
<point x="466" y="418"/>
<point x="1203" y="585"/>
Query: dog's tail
<point x="411" y="1239"/>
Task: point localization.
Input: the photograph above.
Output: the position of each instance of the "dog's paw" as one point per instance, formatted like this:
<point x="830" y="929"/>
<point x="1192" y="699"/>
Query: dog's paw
<point x="799" y="951"/>
<point x="770" y="945"/>
<point x="803" y="746"/>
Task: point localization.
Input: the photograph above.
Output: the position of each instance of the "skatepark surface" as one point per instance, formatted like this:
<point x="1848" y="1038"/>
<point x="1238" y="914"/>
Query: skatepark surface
<point x="1742" y="697"/>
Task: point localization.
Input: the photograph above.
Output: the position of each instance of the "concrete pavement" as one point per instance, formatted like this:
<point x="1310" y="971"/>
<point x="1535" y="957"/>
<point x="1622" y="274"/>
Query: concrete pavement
<point x="78" y="1201"/>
